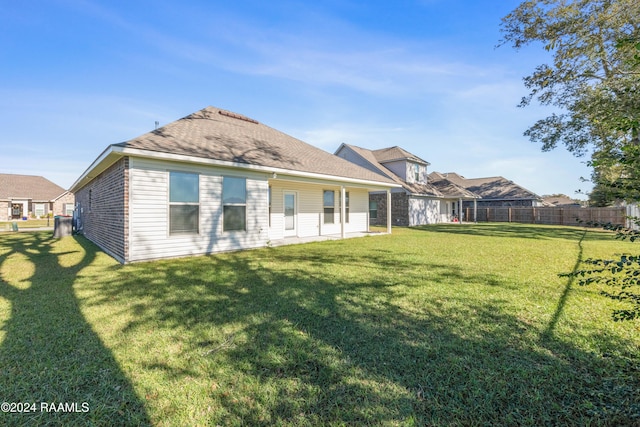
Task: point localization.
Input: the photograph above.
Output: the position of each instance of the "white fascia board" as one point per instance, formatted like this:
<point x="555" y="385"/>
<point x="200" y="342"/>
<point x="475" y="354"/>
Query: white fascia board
<point x="109" y="152"/>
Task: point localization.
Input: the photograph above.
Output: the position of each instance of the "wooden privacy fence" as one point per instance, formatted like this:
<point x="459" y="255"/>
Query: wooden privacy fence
<point x="548" y="215"/>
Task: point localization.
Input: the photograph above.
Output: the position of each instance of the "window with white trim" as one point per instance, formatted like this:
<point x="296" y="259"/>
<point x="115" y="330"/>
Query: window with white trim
<point x="184" y="203"/>
<point x="38" y="210"/>
<point x="373" y="210"/>
<point x="234" y="203"/>
<point x="329" y="198"/>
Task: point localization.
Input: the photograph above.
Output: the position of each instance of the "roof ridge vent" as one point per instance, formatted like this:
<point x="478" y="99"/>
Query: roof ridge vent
<point x="237" y="116"/>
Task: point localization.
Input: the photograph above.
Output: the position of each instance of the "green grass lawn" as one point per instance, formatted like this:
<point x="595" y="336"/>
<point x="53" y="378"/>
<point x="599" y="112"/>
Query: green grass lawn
<point x="30" y="223"/>
<point x="444" y="325"/>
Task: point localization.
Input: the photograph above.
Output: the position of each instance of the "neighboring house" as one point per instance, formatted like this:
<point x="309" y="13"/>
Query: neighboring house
<point x="217" y="181"/>
<point x="560" y="200"/>
<point x="495" y="191"/>
<point x="419" y="200"/>
<point x="29" y="196"/>
<point x="455" y="198"/>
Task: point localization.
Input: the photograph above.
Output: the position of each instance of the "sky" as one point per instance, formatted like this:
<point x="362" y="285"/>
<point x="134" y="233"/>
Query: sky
<point x="425" y="75"/>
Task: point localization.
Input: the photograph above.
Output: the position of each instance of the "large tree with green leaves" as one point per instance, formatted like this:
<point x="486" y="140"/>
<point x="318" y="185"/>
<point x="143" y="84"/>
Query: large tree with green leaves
<point x="593" y="80"/>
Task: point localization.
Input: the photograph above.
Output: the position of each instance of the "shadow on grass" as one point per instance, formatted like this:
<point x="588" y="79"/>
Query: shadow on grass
<point x="49" y="354"/>
<point x="326" y="348"/>
<point x="515" y="230"/>
<point x="546" y="335"/>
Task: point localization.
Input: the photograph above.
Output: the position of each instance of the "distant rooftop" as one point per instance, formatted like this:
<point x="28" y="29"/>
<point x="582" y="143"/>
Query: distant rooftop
<point x="385" y="155"/>
<point x="28" y="186"/>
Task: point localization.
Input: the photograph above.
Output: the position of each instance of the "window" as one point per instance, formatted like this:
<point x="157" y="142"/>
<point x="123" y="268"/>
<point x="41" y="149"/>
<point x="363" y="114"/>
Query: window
<point x="346" y="207"/>
<point x="416" y="170"/>
<point x="68" y="209"/>
<point x="329" y="206"/>
<point x="39" y="210"/>
<point x="234" y="203"/>
<point x="373" y="210"/>
<point x="184" y="203"/>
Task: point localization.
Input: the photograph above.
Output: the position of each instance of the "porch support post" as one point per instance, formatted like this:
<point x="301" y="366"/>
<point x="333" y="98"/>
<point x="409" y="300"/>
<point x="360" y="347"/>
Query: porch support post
<point x="389" y="211"/>
<point x="460" y="211"/>
<point x="343" y="211"/>
<point x="475" y="210"/>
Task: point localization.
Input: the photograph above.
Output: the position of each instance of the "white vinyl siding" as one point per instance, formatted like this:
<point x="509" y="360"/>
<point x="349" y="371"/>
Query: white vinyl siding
<point x="400" y="168"/>
<point x="423" y="211"/>
<point x="311" y="209"/>
<point x="149" y="236"/>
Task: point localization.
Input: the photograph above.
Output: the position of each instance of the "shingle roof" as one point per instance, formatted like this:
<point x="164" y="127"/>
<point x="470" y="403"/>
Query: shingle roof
<point x="560" y="200"/>
<point x="374" y="165"/>
<point x="33" y="187"/>
<point x="448" y="188"/>
<point x="213" y="133"/>
<point x="390" y="154"/>
<point x="497" y="187"/>
<point x="413" y="188"/>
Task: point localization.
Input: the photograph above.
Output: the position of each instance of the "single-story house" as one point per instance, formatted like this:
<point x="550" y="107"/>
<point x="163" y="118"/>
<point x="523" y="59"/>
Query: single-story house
<point x="218" y="181"/>
<point x="560" y="200"/>
<point x="420" y="199"/>
<point x="30" y="196"/>
<point x="496" y="191"/>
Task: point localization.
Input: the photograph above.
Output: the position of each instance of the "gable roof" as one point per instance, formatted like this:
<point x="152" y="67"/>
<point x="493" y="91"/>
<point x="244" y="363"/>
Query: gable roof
<point x="392" y="154"/>
<point x="32" y="187"/>
<point x="231" y="139"/>
<point x="560" y="200"/>
<point x="496" y="187"/>
<point x="449" y="188"/>
<point x="374" y="164"/>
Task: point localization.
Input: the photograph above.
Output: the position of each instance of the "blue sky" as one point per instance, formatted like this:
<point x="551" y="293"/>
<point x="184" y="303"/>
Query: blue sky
<point x="78" y="75"/>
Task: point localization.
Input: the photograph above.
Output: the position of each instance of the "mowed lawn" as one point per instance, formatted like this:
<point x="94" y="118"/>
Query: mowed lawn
<point x="442" y="325"/>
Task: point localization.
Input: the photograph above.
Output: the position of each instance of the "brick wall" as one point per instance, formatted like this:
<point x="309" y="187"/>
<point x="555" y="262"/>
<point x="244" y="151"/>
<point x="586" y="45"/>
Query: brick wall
<point x="399" y="209"/>
<point x="58" y="205"/>
<point x="104" y="209"/>
<point x="5" y="206"/>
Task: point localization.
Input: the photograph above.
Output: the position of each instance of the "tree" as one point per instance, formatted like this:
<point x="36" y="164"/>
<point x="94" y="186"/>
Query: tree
<point x="593" y="79"/>
<point x="621" y="275"/>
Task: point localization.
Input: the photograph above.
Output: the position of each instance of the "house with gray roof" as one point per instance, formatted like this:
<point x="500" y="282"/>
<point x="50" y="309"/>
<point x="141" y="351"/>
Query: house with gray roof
<point x="30" y="196"/>
<point x="219" y="181"/>
<point x="496" y="191"/>
<point x="421" y="198"/>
